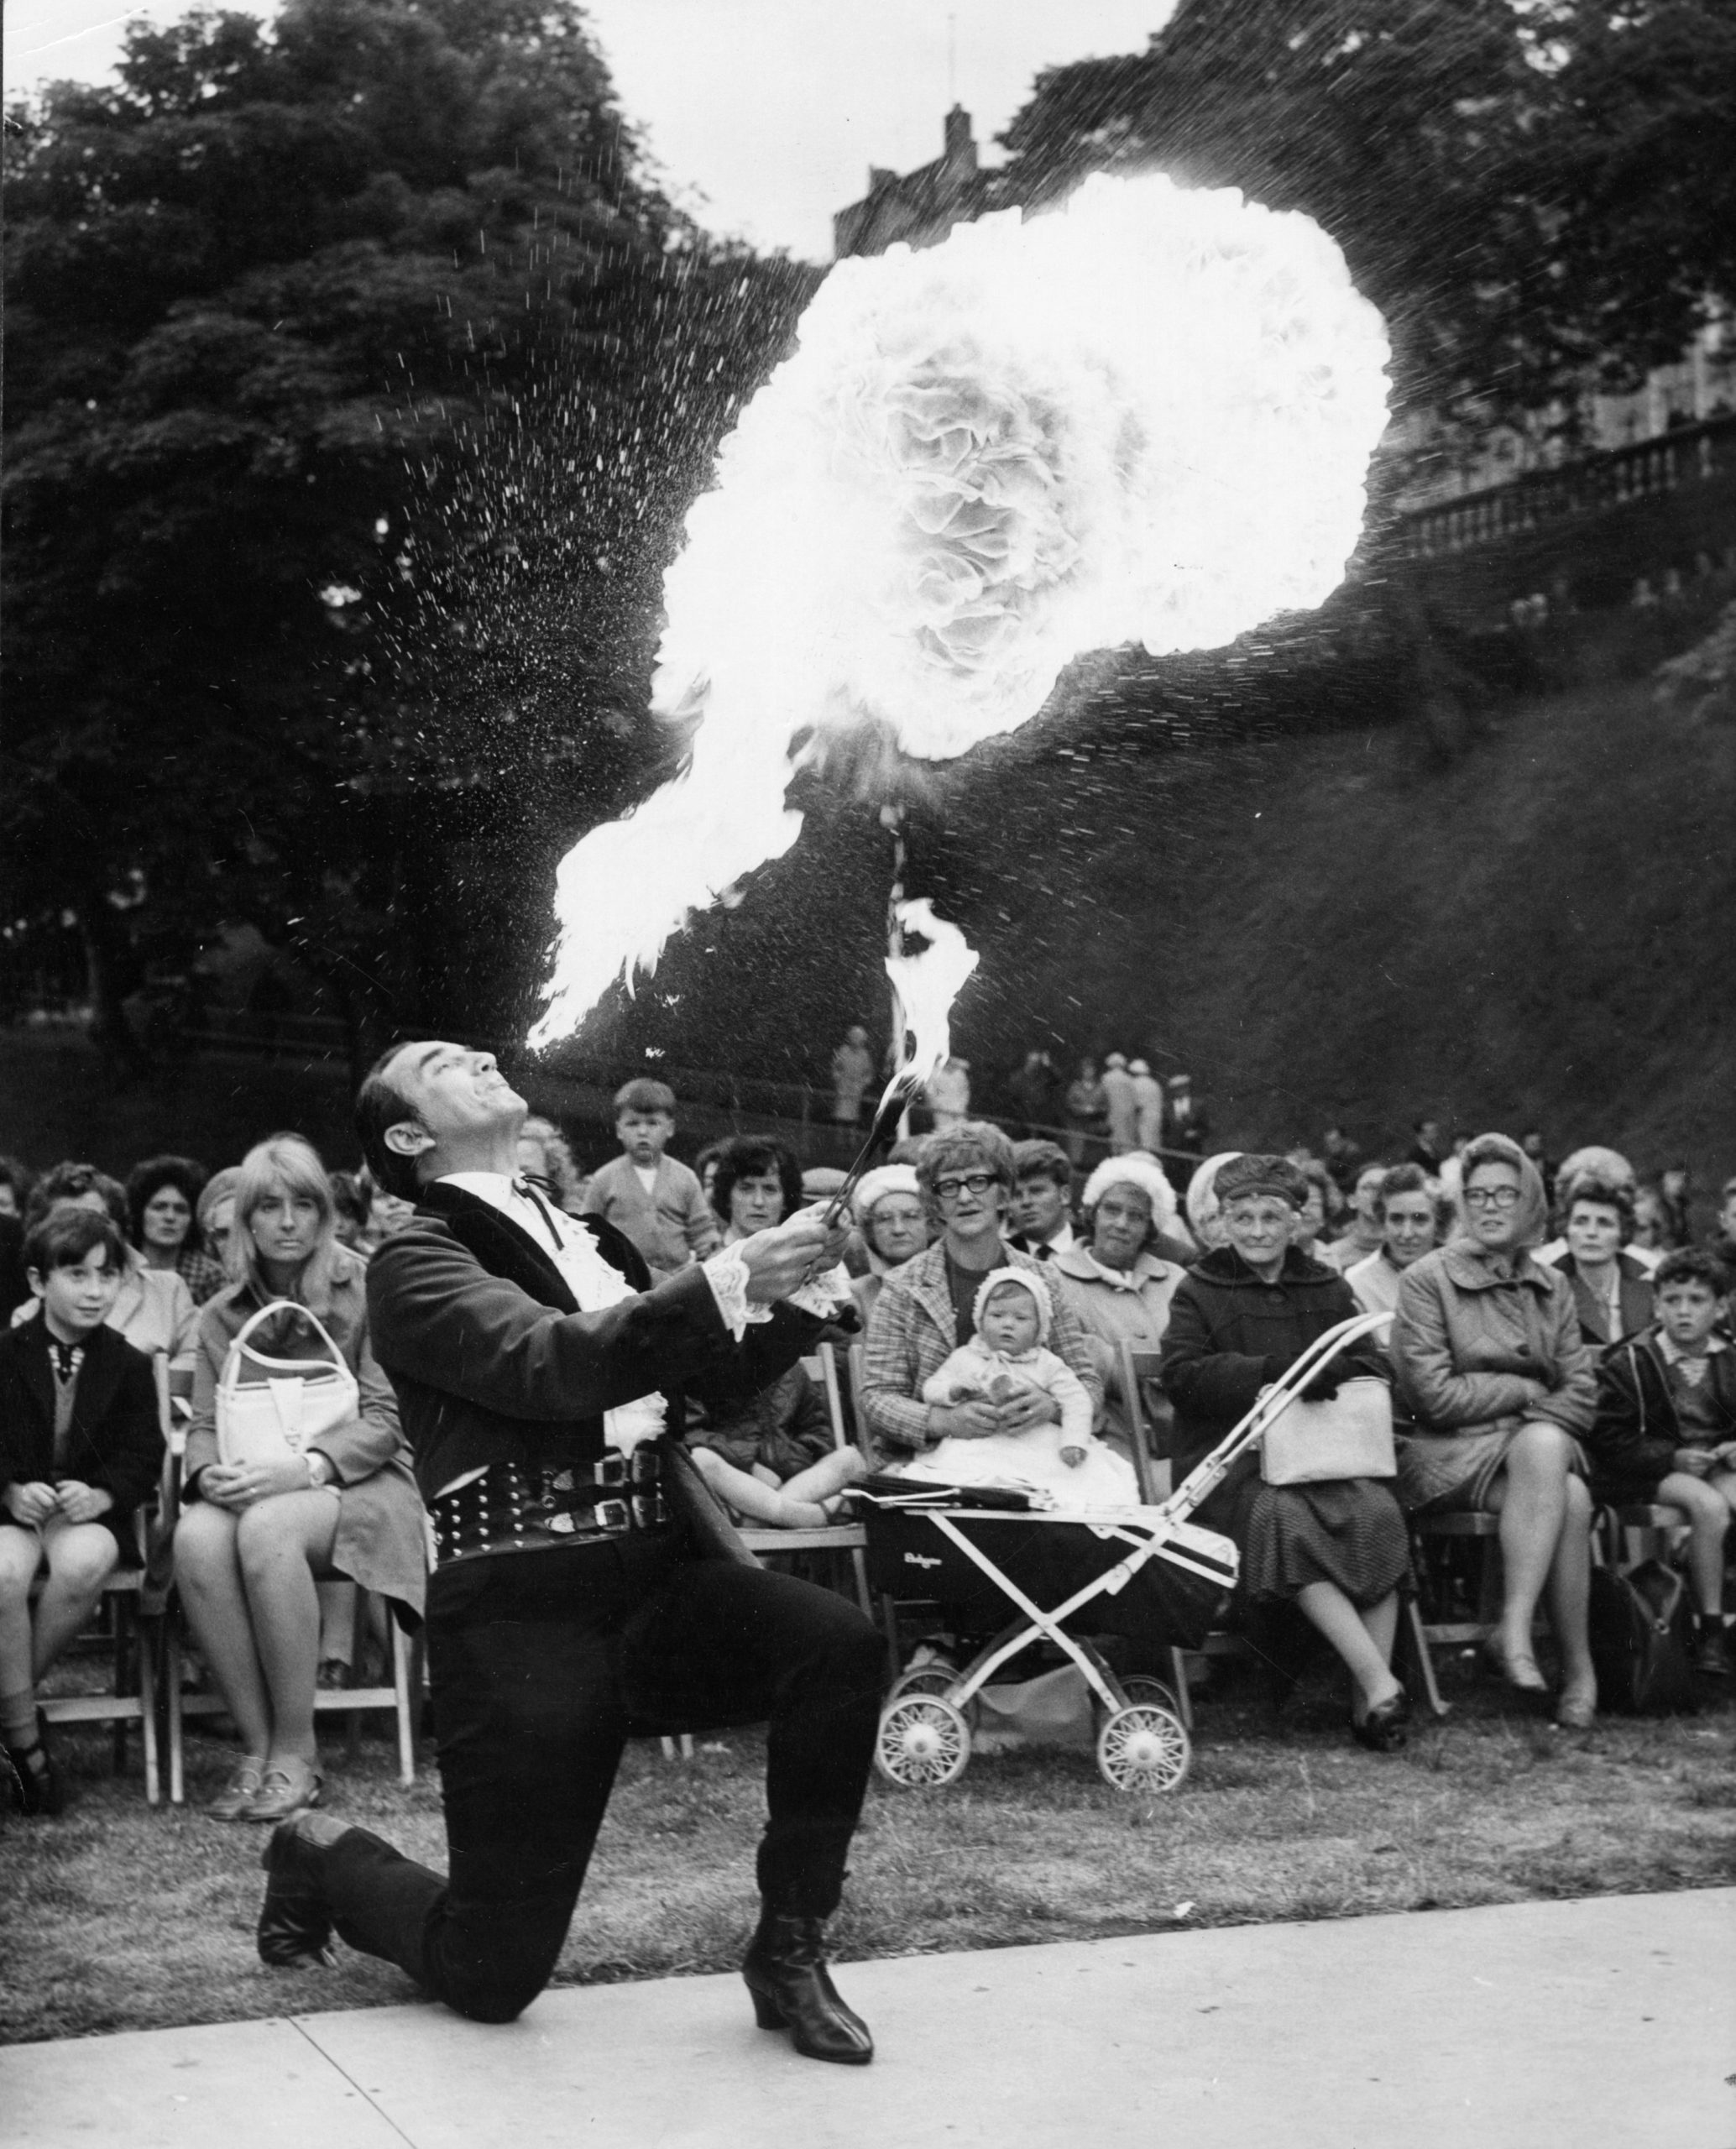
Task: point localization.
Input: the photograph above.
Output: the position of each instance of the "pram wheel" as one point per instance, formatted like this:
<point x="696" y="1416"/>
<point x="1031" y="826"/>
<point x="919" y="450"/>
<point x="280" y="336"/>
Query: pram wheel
<point x="1143" y="1749"/>
<point x="924" y="1742"/>
<point x="926" y="1678"/>
<point x="1143" y="1691"/>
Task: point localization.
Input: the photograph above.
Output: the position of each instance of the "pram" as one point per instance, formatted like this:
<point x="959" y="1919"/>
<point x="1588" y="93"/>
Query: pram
<point x="1148" y="1574"/>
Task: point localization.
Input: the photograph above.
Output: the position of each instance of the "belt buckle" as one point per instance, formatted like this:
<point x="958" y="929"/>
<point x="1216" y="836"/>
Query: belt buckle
<point x="645" y="1466"/>
<point x="650" y="1510"/>
<point x="610" y="1468"/>
<point x="611" y="1515"/>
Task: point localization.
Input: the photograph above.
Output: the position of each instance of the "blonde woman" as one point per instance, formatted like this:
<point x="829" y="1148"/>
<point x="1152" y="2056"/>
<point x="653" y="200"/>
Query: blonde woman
<point x="255" y="1540"/>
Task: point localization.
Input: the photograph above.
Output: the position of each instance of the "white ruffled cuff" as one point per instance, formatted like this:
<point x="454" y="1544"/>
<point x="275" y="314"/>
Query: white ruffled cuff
<point x="726" y="1272"/>
<point x="824" y="1295"/>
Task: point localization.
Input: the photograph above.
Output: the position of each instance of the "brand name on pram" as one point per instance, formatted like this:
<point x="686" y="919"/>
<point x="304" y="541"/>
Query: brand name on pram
<point x="919" y="1560"/>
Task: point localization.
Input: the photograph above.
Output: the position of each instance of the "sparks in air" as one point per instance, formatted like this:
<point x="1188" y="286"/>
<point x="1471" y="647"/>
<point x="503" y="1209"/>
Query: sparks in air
<point x="1145" y="418"/>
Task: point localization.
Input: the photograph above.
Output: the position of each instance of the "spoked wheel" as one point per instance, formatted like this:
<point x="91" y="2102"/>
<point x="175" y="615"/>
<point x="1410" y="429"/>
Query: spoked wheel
<point x="1143" y="1691"/>
<point x="924" y="1742"/>
<point x="1144" y="1749"/>
<point x="926" y="1678"/>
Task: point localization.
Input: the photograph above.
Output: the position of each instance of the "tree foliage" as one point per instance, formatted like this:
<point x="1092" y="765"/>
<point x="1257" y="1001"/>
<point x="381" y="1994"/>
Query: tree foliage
<point x="1528" y="192"/>
<point x="357" y="379"/>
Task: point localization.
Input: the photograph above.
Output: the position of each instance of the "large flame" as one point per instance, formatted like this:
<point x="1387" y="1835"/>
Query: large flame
<point x="1145" y="418"/>
<point x="925" y="986"/>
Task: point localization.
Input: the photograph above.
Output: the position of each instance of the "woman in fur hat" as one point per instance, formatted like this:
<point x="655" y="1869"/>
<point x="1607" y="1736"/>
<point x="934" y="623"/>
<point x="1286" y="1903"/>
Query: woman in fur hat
<point x="893" y="1219"/>
<point x="1115" y="1278"/>
<point x="1338" y="1551"/>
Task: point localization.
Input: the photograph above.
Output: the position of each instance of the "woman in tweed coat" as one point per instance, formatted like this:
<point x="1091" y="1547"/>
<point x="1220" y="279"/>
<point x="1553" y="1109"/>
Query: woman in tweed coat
<point x="924" y="1312"/>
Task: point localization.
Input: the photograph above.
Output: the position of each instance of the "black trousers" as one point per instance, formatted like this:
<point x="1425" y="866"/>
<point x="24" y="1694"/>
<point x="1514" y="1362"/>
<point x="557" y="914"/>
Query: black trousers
<point x="541" y="1665"/>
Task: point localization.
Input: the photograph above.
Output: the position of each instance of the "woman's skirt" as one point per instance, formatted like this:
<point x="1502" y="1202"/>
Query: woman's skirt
<point x="1349" y="1532"/>
<point x="1454" y="1473"/>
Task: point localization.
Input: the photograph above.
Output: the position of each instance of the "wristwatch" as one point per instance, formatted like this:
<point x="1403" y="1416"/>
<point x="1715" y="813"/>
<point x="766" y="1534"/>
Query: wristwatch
<point x="320" y="1473"/>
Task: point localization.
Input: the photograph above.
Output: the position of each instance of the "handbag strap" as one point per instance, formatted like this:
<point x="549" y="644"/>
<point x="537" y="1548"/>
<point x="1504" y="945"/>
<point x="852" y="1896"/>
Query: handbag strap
<point x="239" y="1348"/>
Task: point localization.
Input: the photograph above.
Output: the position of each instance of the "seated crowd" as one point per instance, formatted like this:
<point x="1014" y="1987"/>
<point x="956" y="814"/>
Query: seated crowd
<point x="1553" y="1344"/>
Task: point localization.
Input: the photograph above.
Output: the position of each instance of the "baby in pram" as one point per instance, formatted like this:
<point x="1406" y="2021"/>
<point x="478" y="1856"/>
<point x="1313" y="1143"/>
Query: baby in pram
<point x="1012" y="1313"/>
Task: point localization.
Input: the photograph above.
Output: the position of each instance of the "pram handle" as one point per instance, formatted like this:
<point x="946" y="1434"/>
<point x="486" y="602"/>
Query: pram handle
<point x="1208" y="1474"/>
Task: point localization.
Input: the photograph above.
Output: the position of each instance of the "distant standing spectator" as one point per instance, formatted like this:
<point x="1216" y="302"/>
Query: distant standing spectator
<point x="651" y="1197"/>
<point x="1425" y="1148"/>
<point x="1451" y="1173"/>
<point x="1413" y="1220"/>
<point x="1612" y="1292"/>
<point x="1087" y="1110"/>
<point x="1032" y="1089"/>
<point x="1674" y="1192"/>
<point x="947" y="1091"/>
<point x="162" y="1208"/>
<point x="1364" y="1236"/>
<point x="1649" y="1226"/>
<point x="1041" y="1210"/>
<point x="1317" y="1203"/>
<point x="1188" y="1126"/>
<point x="1148" y="1107"/>
<point x="852" y="1075"/>
<point x="1121" y="1101"/>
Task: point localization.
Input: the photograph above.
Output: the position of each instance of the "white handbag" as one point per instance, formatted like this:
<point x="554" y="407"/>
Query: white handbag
<point x="1349" y="1436"/>
<point x="282" y="1410"/>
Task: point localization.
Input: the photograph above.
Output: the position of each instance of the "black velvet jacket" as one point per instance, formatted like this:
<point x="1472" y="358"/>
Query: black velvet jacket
<point x="492" y="1362"/>
<point x="117" y="1445"/>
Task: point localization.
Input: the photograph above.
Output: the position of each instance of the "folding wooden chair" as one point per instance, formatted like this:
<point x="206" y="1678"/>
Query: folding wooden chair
<point x="136" y="1623"/>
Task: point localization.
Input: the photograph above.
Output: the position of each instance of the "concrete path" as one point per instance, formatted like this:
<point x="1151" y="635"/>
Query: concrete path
<point x="1597" y="2025"/>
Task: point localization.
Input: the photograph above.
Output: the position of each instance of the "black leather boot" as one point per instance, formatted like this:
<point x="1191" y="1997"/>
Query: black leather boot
<point x="785" y="1972"/>
<point x="294" y="1925"/>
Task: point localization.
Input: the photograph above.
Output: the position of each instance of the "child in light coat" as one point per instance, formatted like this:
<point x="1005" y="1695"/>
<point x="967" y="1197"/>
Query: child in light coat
<point x="1008" y="1353"/>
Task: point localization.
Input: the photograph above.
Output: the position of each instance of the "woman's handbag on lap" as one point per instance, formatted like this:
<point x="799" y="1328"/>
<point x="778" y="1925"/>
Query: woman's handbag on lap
<point x="270" y="1409"/>
<point x="1350" y="1436"/>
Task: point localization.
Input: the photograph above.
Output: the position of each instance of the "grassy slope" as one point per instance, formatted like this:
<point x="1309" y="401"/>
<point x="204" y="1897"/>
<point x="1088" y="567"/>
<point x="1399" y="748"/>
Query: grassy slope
<point x="1315" y="927"/>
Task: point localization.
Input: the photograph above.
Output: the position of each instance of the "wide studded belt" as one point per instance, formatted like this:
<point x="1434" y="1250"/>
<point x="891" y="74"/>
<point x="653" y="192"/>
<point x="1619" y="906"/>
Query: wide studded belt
<point x="513" y="1508"/>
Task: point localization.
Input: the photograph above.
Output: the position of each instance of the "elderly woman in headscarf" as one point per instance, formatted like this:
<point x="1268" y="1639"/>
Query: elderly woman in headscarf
<point x="1115" y="1279"/>
<point x="1202" y="1203"/>
<point x="893" y="1219"/>
<point x="1490" y="1361"/>
<point x="1336" y="1551"/>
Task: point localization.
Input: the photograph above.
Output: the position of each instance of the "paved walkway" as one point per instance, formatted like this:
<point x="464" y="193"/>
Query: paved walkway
<point x="1598" y="2024"/>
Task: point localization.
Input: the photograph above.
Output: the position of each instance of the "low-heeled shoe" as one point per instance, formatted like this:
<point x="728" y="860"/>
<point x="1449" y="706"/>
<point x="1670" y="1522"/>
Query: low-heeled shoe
<point x="1382" y="1730"/>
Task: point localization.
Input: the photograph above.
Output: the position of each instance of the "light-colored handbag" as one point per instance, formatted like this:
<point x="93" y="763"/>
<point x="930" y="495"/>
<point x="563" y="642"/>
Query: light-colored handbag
<point x="288" y="1402"/>
<point x="1349" y="1436"/>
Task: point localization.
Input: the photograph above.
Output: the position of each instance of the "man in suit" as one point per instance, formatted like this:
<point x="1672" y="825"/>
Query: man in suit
<point x="531" y="1355"/>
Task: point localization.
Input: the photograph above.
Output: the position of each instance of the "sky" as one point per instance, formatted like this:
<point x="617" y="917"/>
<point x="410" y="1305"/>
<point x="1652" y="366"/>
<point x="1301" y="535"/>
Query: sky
<point x="762" y="116"/>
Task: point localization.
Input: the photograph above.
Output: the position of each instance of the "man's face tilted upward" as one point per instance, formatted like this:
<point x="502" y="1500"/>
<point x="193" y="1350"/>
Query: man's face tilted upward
<point x="458" y="1094"/>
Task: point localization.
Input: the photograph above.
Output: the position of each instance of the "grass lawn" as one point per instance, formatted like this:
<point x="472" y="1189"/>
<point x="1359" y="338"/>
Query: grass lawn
<point x="118" y="1918"/>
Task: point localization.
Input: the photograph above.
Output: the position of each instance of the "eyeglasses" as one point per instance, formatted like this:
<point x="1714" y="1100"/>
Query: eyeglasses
<point x="1492" y="1197"/>
<point x="949" y="1190"/>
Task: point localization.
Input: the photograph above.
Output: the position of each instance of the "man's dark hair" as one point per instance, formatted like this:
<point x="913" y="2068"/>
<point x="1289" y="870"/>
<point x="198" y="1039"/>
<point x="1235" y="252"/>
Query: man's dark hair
<point x="16" y="1174"/>
<point x="749" y="1156"/>
<point x="66" y="1183"/>
<point x="1043" y="1160"/>
<point x="1692" y="1264"/>
<point x="643" y="1095"/>
<point x="378" y="1106"/>
<point x="146" y="1181"/>
<point x="63" y="1236"/>
<point x="1412" y="1178"/>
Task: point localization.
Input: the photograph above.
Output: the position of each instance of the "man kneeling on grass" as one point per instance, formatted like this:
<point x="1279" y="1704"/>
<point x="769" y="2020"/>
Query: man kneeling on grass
<point x="80" y="1449"/>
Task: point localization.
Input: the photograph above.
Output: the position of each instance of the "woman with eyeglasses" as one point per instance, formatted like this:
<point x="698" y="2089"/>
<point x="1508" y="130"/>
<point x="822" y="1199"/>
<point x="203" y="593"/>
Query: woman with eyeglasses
<point x="926" y="1308"/>
<point x="1487" y="1346"/>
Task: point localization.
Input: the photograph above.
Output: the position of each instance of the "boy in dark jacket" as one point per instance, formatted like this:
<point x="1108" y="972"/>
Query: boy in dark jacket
<point x="1665" y="1430"/>
<point x="81" y="1447"/>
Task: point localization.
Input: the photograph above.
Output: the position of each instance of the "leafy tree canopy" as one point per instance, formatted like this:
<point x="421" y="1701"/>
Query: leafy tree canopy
<point x="357" y="380"/>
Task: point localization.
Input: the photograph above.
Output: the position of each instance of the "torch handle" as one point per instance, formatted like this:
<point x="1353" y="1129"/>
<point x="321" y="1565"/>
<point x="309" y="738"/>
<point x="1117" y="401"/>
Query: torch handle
<point x="899" y="1093"/>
